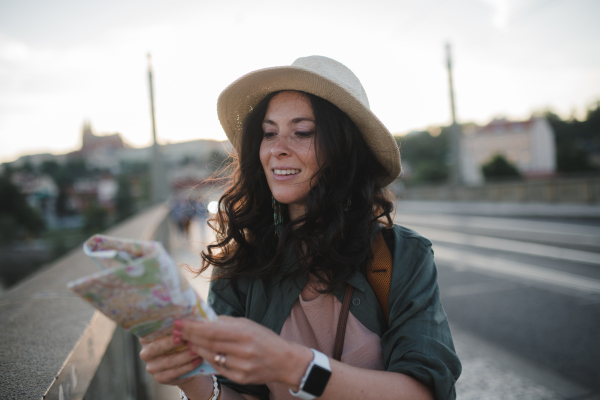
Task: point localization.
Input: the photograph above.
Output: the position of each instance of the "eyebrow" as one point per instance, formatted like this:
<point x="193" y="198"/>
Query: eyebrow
<point x="294" y="121"/>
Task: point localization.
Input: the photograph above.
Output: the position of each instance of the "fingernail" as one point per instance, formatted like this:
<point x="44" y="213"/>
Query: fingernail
<point x="197" y="361"/>
<point x="176" y="332"/>
<point x="193" y="353"/>
<point x="178" y="324"/>
<point x="177" y="339"/>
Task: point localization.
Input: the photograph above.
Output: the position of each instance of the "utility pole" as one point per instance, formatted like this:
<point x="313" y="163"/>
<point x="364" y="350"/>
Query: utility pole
<point x="455" y="129"/>
<point x="158" y="175"/>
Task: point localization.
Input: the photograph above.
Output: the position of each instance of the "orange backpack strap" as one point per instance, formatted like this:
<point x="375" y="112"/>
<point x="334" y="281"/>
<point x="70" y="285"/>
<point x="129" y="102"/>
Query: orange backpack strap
<point x="379" y="273"/>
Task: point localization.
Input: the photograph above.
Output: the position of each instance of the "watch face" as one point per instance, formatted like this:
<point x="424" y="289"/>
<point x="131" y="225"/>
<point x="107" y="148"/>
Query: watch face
<point x="316" y="381"/>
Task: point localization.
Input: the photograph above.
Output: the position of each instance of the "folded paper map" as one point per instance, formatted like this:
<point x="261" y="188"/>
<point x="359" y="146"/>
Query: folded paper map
<point x="140" y="288"/>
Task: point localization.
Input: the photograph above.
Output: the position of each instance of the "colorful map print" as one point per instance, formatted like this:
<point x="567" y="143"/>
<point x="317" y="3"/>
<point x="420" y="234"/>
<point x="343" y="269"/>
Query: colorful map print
<point x="140" y="288"/>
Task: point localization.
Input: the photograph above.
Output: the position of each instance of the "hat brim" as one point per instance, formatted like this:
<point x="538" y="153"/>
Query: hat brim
<point x="239" y="98"/>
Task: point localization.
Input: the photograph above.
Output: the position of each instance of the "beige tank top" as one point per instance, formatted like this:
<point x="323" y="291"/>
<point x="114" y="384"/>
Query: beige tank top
<point x="313" y="323"/>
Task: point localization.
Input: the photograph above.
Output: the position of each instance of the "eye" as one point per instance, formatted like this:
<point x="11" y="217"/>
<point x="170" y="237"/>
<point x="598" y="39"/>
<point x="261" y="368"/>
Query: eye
<point x="269" y="135"/>
<point x="305" y="134"/>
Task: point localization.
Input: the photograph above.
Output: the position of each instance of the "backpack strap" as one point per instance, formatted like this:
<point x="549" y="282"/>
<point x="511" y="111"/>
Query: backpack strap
<point x="379" y="273"/>
<point x="342" y="321"/>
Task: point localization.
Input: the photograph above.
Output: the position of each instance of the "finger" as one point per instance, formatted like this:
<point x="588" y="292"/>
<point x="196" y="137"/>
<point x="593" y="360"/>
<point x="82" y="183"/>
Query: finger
<point x="233" y="360"/>
<point x="226" y="329"/>
<point x="231" y="349"/>
<point x="171" y="361"/>
<point x="171" y="375"/>
<point x="156" y="348"/>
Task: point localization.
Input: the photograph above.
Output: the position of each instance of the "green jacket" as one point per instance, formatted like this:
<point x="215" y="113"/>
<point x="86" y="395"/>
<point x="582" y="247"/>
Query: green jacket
<point x="417" y="343"/>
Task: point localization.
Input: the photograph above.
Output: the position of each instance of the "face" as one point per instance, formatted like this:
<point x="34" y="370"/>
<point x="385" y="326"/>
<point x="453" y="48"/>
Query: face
<point x="287" y="151"/>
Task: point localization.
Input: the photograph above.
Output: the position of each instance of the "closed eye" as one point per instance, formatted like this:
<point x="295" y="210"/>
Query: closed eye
<point x="305" y="134"/>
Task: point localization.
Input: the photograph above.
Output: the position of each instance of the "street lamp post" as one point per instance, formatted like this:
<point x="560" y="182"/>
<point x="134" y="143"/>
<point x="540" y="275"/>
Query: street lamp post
<point x="455" y="129"/>
<point x="157" y="165"/>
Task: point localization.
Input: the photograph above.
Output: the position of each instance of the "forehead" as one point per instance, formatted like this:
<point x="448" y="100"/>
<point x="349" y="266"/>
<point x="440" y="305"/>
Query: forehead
<point x="291" y="104"/>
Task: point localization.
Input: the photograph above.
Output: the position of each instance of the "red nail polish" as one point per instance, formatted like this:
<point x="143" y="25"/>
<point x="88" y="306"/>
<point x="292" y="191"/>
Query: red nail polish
<point x="176" y="332"/>
<point x="177" y="340"/>
<point x="193" y="353"/>
<point x="197" y="361"/>
<point x="178" y="324"/>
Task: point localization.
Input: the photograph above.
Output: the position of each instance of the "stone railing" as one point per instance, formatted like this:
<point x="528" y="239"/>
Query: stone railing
<point x="53" y="345"/>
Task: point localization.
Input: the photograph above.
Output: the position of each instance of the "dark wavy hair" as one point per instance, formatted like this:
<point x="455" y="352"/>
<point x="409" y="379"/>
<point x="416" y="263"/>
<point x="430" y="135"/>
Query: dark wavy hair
<point x="332" y="240"/>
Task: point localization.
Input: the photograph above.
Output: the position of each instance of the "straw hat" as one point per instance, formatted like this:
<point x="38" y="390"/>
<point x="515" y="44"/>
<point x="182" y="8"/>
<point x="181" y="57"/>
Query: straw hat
<point x="322" y="77"/>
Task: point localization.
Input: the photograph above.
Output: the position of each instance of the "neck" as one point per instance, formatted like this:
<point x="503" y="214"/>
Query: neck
<point x="296" y="210"/>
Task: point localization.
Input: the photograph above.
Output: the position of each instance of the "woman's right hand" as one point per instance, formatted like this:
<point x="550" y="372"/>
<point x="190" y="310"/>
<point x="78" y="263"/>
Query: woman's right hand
<point x="167" y="368"/>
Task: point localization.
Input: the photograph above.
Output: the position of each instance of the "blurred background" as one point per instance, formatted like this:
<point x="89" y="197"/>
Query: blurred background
<point x="495" y="105"/>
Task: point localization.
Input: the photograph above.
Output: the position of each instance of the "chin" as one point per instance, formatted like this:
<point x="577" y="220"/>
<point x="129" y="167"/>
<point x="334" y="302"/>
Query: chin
<point x="289" y="198"/>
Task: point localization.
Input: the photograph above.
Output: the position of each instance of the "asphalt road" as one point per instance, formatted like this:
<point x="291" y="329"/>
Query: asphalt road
<point x="529" y="286"/>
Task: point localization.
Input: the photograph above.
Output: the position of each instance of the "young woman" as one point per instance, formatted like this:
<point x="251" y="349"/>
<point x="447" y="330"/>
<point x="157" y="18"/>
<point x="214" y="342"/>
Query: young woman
<point x="303" y="231"/>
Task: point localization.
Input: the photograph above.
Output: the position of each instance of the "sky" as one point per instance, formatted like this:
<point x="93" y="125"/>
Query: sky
<point x="63" y="62"/>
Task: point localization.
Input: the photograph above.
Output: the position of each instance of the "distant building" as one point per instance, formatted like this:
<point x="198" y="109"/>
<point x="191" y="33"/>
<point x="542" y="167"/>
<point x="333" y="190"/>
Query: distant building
<point x="529" y="145"/>
<point x="91" y="142"/>
<point x="99" y="151"/>
<point x="37" y="159"/>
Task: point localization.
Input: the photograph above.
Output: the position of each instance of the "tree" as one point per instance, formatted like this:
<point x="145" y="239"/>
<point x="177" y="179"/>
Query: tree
<point x="51" y="168"/>
<point x="17" y="217"/>
<point x="499" y="168"/>
<point x="576" y="140"/>
<point x="96" y="219"/>
<point x="124" y="201"/>
<point x="427" y="155"/>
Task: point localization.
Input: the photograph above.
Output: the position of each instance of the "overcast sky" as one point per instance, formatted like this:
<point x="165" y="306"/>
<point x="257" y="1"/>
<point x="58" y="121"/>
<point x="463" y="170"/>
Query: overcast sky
<point x="65" y="61"/>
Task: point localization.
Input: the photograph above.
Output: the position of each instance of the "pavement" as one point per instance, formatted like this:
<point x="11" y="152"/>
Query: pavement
<point x="490" y="372"/>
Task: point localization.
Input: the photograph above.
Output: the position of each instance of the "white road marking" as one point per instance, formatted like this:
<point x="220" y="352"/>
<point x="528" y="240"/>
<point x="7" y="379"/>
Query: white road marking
<point x="516" y="269"/>
<point x="513" y="246"/>
<point x="553" y="232"/>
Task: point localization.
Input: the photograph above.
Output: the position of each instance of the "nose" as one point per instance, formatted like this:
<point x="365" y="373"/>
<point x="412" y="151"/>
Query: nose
<point x="280" y="147"/>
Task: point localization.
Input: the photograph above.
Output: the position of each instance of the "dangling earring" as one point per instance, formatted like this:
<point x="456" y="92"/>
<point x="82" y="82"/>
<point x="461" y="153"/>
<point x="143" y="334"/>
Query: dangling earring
<point x="277" y="215"/>
<point x="348" y="205"/>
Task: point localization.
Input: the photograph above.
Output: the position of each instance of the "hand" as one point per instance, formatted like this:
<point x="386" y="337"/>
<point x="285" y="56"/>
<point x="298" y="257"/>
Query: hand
<point x="164" y="366"/>
<point x="253" y="353"/>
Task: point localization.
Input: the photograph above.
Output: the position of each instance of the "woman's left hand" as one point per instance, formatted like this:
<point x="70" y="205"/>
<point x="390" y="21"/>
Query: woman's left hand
<point x="253" y="354"/>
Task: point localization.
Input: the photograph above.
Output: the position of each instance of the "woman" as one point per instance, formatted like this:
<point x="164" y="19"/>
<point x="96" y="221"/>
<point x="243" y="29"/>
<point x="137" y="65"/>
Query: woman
<point x="304" y="226"/>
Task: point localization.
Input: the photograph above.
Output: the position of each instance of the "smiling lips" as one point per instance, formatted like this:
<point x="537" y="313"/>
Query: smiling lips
<point x="286" y="171"/>
<point x="284" y="174"/>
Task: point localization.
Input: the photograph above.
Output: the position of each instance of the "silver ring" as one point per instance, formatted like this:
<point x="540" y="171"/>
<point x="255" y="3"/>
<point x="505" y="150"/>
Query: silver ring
<point x="220" y="360"/>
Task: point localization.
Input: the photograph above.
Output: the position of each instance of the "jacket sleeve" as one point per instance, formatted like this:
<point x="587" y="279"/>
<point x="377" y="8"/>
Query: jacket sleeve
<point x="418" y="342"/>
<point x="225" y="299"/>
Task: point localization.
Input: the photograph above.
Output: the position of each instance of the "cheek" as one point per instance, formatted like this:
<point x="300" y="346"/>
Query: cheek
<point x="265" y="154"/>
<point x="309" y="157"/>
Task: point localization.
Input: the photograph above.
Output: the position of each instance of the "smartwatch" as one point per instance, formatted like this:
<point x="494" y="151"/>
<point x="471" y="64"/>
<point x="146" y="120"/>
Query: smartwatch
<point x="315" y="378"/>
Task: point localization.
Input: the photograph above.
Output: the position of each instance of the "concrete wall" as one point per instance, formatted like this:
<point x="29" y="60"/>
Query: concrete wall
<point x="53" y="345"/>
<point x="582" y="191"/>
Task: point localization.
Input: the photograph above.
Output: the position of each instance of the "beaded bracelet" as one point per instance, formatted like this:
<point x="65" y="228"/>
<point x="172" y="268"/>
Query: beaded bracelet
<point x="216" y="390"/>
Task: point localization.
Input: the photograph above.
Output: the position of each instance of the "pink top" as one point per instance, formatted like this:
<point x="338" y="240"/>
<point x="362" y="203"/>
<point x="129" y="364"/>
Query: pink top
<point x="313" y="323"/>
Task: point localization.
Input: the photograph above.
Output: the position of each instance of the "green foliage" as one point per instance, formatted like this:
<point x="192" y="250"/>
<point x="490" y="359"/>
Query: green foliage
<point x="575" y="140"/>
<point x="96" y="219"/>
<point x="432" y="171"/>
<point x="135" y="168"/>
<point x="51" y="168"/>
<point x="124" y="201"/>
<point x="17" y="218"/>
<point x="427" y="155"/>
<point x="499" y="168"/>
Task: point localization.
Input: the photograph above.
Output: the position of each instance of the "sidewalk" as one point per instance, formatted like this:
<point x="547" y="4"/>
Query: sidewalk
<point x="489" y="372"/>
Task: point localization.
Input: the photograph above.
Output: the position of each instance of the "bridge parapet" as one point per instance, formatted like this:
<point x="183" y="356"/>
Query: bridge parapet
<point x="55" y="346"/>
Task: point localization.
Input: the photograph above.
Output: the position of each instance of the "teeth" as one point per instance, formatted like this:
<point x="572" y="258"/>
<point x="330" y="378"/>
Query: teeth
<point x="286" y="171"/>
